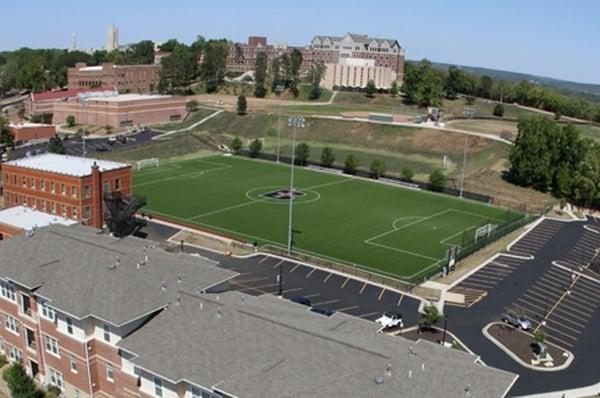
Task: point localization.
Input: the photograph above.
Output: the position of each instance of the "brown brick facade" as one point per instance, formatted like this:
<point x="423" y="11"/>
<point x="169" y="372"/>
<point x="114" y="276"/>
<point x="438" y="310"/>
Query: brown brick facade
<point x="125" y="78"/>
<point x="77" y="198"/>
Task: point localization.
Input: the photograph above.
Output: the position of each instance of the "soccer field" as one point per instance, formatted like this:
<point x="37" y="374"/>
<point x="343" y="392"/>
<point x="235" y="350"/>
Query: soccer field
<point x="384" y="228"/>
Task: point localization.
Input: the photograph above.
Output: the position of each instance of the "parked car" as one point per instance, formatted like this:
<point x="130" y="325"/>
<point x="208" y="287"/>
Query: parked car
<point x="102" y="148"/>
<point x="390" y="320"/>
<point x="322" y="311"/>
<point x="301" y="300"/>
<point x="518" y="321"/>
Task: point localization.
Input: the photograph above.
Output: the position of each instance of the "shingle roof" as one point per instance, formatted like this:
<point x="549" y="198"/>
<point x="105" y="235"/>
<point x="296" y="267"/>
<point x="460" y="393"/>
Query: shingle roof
<point x="264" y="346"/>
<point x="74" y="269"/>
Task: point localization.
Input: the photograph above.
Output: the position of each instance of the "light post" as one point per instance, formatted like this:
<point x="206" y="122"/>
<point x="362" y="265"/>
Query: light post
<point x="469" y="111"/>
<point x="280" y="88"/>
<point x="294" y="122"/>
<point x="280" y="280"/>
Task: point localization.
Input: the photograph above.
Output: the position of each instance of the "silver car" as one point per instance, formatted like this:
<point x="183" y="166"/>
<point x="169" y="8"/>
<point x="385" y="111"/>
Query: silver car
<point x="518" y="321"/>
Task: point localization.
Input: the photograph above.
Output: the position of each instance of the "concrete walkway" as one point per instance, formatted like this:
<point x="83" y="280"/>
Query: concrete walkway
<point x="191" y="127"/>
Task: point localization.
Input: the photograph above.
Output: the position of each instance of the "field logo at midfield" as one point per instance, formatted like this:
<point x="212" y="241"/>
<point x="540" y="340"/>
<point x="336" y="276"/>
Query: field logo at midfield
<point x="278" y="195"/>
<point x="283" y="194"/>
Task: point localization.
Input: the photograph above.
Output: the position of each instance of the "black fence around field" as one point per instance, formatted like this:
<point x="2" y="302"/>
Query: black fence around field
<point x="366" y="174"/>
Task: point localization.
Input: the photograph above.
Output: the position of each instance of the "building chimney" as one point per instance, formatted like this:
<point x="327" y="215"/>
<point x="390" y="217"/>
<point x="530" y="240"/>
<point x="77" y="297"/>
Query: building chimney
<point x="96" y="220"/>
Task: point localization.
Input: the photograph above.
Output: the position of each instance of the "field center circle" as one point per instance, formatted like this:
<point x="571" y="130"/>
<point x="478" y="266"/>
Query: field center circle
<point x="259" y="194"/>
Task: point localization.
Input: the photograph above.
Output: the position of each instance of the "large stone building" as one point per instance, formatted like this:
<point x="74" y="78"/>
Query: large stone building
<point x="385" y="53"/>
<point x="99" y="316"/>
<point x="67" y="186"/>
<point x="124" y="78"/>
<point x="119" y="111"/>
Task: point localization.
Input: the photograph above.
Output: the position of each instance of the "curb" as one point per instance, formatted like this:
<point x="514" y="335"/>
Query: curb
<point x="519" y="360"/>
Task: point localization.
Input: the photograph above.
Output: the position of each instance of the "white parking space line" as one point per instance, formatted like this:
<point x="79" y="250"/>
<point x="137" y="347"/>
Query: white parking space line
<point x="562" y="325"/>
<point x="292" y="290"/>
<point x="564" y="319"/>
<point x="294" y="269"/>
<point x="558" y="341"/>
<point x="279" y="263"/>
<point x="583" y="300"/>
<point x="551" y="282"/>
<point x="571" y="314"/>
<point x="310" y="273"/>
<point x="368" y="314"/>
<point x="570" y="307"/>
<point x="492" y="278"/>
<point x="326" y="302"/>
<point x="531" y="298"/>
<point x="346" y="281"/>
<point x="362" y="288"/>
<point x="263" y="259"/>
<point x="246" y="281"/>
<point x="476" y="285"/>
<point x="312" y="295"/>
<point x="494" y="272"/>
<point x="553" y="330"/>
<point x="538" y="290"/>
<point x="327" y="277"/>
<point x="503" y="265"/>
<point x="343" y="309"/>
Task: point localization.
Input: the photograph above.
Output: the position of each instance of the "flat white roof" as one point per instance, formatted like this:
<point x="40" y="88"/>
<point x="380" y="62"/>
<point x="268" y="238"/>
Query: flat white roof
<point x="130" y="97"/>
<point x="91" y="68"/>
<point x="64" y="164"/>
<point x="25" y="218"/>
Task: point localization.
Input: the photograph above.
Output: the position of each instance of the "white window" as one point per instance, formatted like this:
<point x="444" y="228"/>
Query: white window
<point x="48" y="312"/>
<point x="16" y="354"/>
<point x="73" y="364"/>
<point x="12" y="324"/>
<point x="106" y="332"/>
<point x="51" y="345"/>
<point x="77" y="393"/>
<point x="69" y="322"/>
<point x="158" y="388"/>
<point x="8" y="291"/>
<point x="197" y="393"/>
<point x="110" y="372"/>
<point x="56" y="378"/>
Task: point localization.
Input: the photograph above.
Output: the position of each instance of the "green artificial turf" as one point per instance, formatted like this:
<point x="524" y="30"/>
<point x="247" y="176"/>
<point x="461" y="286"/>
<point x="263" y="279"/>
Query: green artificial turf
<point x="384" y="228"/>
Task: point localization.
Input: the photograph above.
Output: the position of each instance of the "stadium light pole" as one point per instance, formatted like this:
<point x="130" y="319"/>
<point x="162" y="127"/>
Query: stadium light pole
<point x="468" y="112"/>
<point x="294" y="122"/>
<point x="279" y="89"/>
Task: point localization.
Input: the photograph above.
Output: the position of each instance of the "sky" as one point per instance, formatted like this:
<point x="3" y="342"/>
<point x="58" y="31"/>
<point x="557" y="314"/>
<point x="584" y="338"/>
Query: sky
<point x="553" y="38"/>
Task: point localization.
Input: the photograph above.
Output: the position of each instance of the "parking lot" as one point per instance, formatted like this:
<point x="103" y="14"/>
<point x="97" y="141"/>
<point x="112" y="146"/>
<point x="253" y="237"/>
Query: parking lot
<point x="561" y="303"/>
<point x="324" y="289"/>
<point x="92" y="145"/>
<point x="536" y="239"/>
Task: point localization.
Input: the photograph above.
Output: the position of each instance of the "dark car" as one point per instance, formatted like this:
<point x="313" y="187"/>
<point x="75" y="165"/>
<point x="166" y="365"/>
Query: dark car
<point x="322" y="311"/>
<point x="102" y="148"/>
<point x="301" y="300"/>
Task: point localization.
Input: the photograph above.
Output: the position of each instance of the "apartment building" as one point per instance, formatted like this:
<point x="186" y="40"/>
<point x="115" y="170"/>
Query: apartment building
<point x="67" y="186"/>
<point x="242" y="56"/>
<point x="120" y="111"/>
<point x="140" y="79"/>
<point x="69" y="296"/>
<point x="386" y="53"/>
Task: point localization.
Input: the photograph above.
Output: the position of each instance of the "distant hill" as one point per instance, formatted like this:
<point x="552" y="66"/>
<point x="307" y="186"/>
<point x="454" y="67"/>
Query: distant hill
<point x="585" y="90"/>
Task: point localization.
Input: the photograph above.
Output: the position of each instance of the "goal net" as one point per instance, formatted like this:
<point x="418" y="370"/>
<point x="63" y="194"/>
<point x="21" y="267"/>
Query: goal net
<point x="484" y="231"/>
<point x="145" y="163"/>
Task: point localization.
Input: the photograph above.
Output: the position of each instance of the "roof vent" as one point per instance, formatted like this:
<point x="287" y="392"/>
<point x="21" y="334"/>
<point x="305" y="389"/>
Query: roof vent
<point x="378" y="380"/>
<point x="388" y="370"/>
<point x="116" y="263"/>
<point x="178" y="302"/>
<point x="145" y="255"/>
<point x="411" y="352"/>
<point x="410" y="374"/>
<point x="219" y="313"/>
<point x="200" y="290"/>
<point x="468" y="391"/>
<point x="29" y="233"/>
<point x="163" y="286"/>
<point x="179" y="278"/>
<point x="201" y="305"/>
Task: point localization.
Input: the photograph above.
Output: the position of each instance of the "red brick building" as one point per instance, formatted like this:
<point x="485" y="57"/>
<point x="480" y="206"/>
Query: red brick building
<point x="125" y="78"/>
<point x="66" y="186"/>
<point x="120" y="111"/>
<point x="25" y="132"/>
<point x="242" y="56"/>
<point x="43" y="103"/>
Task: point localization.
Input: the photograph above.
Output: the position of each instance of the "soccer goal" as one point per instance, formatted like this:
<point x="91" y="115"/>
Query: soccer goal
<point x="484" y="231"/>
<point x="145" y="163"/>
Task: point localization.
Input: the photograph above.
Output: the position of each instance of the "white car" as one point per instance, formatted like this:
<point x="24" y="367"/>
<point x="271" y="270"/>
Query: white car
<point x="390" y="320"/>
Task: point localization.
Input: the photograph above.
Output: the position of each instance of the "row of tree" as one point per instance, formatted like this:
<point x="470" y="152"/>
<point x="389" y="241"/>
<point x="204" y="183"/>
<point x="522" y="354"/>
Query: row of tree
<point x="377" y="169"/>
<point x="554" y="158"/>
<point x="426" y="85"/>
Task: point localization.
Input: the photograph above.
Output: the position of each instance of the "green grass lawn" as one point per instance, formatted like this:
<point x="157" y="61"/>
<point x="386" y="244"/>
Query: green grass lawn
<point x="390" y="230"/>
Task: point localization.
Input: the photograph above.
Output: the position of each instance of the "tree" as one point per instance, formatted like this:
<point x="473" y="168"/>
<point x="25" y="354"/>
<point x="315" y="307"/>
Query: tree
<point x="236" y="145"/>
<point x="407" y="174"/>
<point x="370" y="89"/>
<point x="7" y="137"/>
<point x="540" y="336"/>
<point x="498" y="110"/>
<point x="315" y="75"/>
<point x="55" y="145"/>
<point x="70" y="120"/>
<point x="169" y="45"/>
<point x="214" y="64"/>
<point x="430" y="317"/>
<point x="294" y="71"/>
<point x="423" y="85"/>
<point x="20" y="384"/>
<point x="485" y="86"/>
<point x="191" y="105"/>
<point x="142" y="52"/>
<point x="455" y="82"/>
<point x="302" y="153"/>
<point x="350" y="164"/>
<point x="276" y="78"/>
<point x="557" y="115"/>
<point x="377" y="168"/>
<point x="260" y="75"/>
<point x="177" y="70"/>
<point x="394" y="89"/>
<point x="242" y="105"/>
<point x="255" y="147"/>
<point x="437" y="179"/>
<point x="327" y="157"/>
